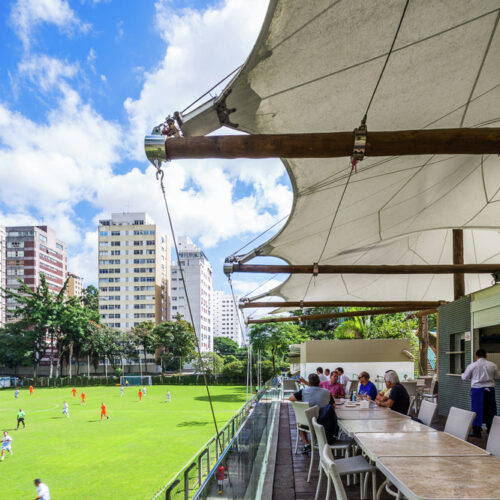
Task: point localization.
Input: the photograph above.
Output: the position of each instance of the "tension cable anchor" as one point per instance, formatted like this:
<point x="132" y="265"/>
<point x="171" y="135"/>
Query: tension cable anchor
<point x="315" y="269"/>
<point x="359" y="149"/>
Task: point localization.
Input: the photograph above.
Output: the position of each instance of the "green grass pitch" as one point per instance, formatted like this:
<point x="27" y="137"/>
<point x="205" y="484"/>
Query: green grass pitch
<point x="131" y="455"/>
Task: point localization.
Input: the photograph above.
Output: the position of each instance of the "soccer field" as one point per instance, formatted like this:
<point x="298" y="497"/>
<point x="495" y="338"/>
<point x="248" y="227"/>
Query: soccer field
<point x="131" y="455"/>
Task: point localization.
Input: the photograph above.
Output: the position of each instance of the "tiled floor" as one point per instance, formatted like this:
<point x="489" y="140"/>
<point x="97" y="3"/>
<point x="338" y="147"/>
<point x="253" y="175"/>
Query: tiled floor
<point x="290" y="480"/>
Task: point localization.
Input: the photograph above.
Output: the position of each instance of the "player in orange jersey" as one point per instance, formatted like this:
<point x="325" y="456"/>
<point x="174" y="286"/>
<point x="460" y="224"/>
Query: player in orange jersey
<point x="31" y="390"/>
<point x="140" y="394"/>
<point x="83" y="398"/>
<point x="74" y="392"/>
<point x="103" y="411"/>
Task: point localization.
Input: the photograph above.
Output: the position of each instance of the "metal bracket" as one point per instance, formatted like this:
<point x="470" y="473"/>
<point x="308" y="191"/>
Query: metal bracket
<point x="315" y="269"/>
<point x="223" y="111"/>
<point x="359" y="149"/>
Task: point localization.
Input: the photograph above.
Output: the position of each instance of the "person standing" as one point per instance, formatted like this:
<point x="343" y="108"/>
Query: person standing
<point x="169" y="399"/>
<point x="83" y="396"/>
<point x="121" y="391"/>
<point x="103" y="411"/>
<point x="321" y="375"/>
<point x="143" y="390"/>
<point x="16" y="393"/>
<point x="482" y="374"/>
<point x="20" y="418"/>
<point x="6" y="444"/>
<point x="31" y="390"/>
<point x="42" y="490"/>
<point x="220" y="479"/>
<point x="65" y="409"/>
<point x="74" y="392"/>
<point x="140" y="394"/>
<point x="343" y="379"/>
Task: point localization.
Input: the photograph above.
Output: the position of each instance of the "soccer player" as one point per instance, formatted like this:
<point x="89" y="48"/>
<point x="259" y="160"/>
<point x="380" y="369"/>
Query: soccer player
<point x="103" y="411"/>
<point x="20" y="418"/>
<point x="144" y="390"/>
<point x="31" y="390"/>
<point x="74" y="392"/>
<point x="42" y="490"/>
<point x="140" y="394"/>
<point x="66" y="409"/>
<point x="16" y="393"/>
<point x="122" y="391"/>
<point x="169" y="399"/>
<point x="83" y="398"/>
<point x="6" y="444"/>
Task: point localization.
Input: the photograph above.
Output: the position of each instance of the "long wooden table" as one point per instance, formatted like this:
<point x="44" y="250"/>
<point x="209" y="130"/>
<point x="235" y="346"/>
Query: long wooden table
<point x="444" y="478"/>
<point x="351" y="427"/>
<point x="369" y="414"/>
<point x="415" y="444"/>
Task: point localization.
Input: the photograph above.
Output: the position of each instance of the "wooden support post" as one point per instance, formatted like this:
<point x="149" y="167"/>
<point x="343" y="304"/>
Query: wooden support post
<point x="347" y="314"/>
<point x="337" y="144"/>
<point x="415" y="304"/>
<point x="423" y="337"/>
<point x="458" y="259"/>
<point x="353" y="269"/>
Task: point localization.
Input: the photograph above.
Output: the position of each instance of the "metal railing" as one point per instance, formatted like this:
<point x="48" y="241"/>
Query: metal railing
<point x="189" y="479"/>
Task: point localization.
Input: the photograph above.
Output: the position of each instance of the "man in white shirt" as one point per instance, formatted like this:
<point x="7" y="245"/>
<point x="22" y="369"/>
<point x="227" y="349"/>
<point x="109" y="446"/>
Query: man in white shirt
<point x="321" y="375"/>
<point x="343" y="379"/>
<point x="482" y="374"/>
<point x="42" y="490"/>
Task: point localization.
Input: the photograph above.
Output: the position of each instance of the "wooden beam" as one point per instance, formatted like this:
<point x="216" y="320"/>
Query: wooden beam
<point x="337" y="144"/>
<point x="458" y="258"/>
<point x="347" y="314"/>
<point x="424" y="312"/>
<point x="349" y="269"/>
<point x="342" y="303"/>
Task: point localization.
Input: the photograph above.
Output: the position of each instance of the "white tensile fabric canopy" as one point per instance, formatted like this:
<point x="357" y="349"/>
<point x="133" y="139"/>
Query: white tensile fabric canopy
<point x="314" y="69"/>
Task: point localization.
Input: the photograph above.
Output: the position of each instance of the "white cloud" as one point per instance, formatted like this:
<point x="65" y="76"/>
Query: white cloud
<point x="26" y="15"/>
<point x="46" y="72"/>
<point x="203" y="47"/>
<point x="254" y="288"/>
<point x="69" y="157"/>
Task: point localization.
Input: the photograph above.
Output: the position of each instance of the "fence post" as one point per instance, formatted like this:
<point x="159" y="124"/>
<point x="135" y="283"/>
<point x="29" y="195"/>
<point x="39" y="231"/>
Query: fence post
<point x="186" y="480"/>
<point x="170" y="488"/>
<point x="200" y="466"/>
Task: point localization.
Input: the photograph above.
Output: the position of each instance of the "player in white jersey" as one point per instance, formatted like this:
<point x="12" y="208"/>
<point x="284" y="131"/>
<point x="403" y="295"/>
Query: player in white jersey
<point x="6" y="444"/>
<point x="122" y="391"/>
<point x="65" y="409"/>
<point x="169" y="399"/>
<point x="144" y="390"/>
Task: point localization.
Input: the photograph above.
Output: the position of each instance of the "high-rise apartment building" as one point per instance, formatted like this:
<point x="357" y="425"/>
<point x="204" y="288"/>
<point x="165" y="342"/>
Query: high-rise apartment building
<point x="134" y="271"/>
<point x="75" y="285"/>
<point x="31" y="250"/>
<point x="198" y="275"/>
<point x="226" y="317"/>
<point x="3" y="274"/>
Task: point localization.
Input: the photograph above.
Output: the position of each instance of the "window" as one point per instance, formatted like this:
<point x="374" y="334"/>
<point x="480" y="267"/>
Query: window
<point x="115" y="233"/>
<point x="457" y="353"/>
<point x="103" y="233"/>
<point x="139" y="252"/>
<point x="43" y="238"/>
<point x="115" y="243"/>
<point x="115" y="252"/>
<point x="150" y="252"/>
<point x="150" y="242"/>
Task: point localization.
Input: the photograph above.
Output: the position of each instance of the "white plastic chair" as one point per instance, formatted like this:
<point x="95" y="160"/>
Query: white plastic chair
<point x="432" y="395"/>
<point x="299" y="408"/>
<point x="493" y="444"/>
<point x="459" y="422"/>
<point x="341" y="444"/>
<point x="342" y="467"/>
<point x="427" y="412"/>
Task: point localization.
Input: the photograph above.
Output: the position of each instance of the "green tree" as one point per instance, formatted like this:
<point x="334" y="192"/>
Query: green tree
<point x="90" y="300"/>
<point x="318" y="329"/>
<point x="275" y="338"/>
<point x="229" y="359"/>
<point x="144" y="338"/>
<point x="42" y="310"/>
<point x="210" y="361"/>
<point x="234" y="369"/>
<point x="225" y="346"/>
<point x="176" y="339"/>
<point x="17" y="346"/>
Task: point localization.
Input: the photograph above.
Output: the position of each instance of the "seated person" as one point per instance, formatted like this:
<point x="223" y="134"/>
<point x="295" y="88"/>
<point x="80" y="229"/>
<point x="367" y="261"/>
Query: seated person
<point x="315" y="396"/>
<point x="383" y="395"/>
<point x="343" y="379"/>
<point x="366" y="388"/>
<point x="327" y="372"/>
<point x="321" y="375"/>
<point x="335" y="388"/>
<point x="398" y="400"/>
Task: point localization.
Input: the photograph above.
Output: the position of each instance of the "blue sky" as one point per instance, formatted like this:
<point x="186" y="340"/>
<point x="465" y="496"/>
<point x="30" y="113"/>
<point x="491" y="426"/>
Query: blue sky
<point x="82" y="82"/>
